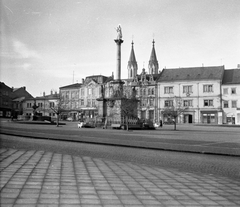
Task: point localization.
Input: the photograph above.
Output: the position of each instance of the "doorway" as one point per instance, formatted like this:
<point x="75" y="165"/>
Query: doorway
<point x="188" y="118"/>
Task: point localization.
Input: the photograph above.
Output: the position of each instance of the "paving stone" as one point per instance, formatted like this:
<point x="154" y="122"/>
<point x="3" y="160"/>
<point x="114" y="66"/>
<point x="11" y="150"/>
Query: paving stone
<point x="49" y="179"/>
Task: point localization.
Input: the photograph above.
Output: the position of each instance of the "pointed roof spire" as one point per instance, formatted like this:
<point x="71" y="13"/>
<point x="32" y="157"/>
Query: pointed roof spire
<point x="153" y="62"/>
<point x="132" y="57"/>
<point x="153" y="56"/>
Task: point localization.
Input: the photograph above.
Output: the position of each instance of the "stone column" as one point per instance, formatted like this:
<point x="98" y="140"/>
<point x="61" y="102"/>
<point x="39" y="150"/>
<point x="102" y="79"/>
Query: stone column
<point x="118" y="69"/>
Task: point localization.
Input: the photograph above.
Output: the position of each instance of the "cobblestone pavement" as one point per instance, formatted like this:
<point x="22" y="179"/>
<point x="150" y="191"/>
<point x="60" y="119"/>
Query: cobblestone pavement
<point x="40" y="178"/>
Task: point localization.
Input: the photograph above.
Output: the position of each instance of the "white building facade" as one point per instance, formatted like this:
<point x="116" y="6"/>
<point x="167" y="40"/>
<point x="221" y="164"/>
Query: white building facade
<point x="231" y="96"/>
<point x="198" y="90"/>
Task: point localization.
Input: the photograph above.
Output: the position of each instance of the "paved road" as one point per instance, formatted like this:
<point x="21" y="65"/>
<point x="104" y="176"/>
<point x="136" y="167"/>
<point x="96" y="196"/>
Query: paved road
<point x="50" y="173"/>
<point x="213" y="140"/>
<point x="43" y="172"/>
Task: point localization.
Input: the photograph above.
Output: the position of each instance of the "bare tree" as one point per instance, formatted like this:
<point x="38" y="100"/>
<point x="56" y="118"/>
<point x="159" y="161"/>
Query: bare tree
<point x="174" y="109"/>
<point x="57" y="107"/>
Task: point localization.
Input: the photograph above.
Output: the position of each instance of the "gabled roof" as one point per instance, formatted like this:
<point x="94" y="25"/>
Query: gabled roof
<point x="75" y="85"/>
<point x="21" y="92"/>
<point x="231" y="76"/>
<point x="97" y="78"/>
<point x="51" y="96"/>
<point x="4" y="86"/>
<point x="192" y="74"/>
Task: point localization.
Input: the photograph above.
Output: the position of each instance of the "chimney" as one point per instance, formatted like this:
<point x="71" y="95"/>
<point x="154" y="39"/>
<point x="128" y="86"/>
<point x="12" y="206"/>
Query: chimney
<point x="238" y="66"/>
<point x="82" y="80"/>
<point x="44" y="93"/>
<point x="51" y="92"/>
<point x="112" y="75"/>
<point x="24" y="88"/>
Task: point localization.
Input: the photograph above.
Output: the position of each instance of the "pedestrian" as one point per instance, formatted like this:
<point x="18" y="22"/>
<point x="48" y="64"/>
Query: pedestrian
<point x="160" y="123"/>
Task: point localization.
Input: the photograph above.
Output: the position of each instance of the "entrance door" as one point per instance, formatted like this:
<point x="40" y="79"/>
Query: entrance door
<point x="143" y="114"/>
<point x="190" y="118"/>
<point x="208" y="118"/>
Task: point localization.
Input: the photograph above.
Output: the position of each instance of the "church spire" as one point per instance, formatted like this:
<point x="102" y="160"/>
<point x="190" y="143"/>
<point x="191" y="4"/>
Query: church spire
<point x="153" y="63"/>
<point x="132" y="64"/>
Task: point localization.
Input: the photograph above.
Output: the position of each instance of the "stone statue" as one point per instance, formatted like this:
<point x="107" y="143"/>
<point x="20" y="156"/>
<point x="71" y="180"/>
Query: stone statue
<point x="119" y="32"/>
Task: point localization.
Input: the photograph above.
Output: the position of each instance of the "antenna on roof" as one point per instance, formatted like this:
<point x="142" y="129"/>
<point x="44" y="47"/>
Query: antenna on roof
<point x="202" y="65"/>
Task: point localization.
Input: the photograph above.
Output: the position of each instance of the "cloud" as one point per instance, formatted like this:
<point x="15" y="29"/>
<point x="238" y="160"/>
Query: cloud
<point x="23" y="51"/>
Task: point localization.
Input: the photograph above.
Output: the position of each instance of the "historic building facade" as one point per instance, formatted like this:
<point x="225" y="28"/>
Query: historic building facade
<point x="231" y="96"/>
<point x="5" y="100"/>
<point x="42" y="105"/>
<point x="197" y="90"/>
<point x="80" y="100"/>
<point x="145" y="84"/>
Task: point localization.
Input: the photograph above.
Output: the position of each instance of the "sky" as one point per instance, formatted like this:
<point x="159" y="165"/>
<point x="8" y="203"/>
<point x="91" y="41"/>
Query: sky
<point x="47" y="44"/>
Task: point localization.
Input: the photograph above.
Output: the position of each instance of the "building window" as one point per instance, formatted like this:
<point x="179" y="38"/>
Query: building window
<point x="187" y="89"/>
<point x="51" y="104"/>
<point x="29" y="105"/>
<point x="40" y="104"/>
<point x="89" y="91"/>
<point x="234" y="104"/>
<point x="153" y="91"/>
<point x="93" y="91"/>
<point x="233" y="90"/>
<point x="1" y="113"/>
<point x="168" y="103"/>
<point x="82" y="92"/>
<point x="151" y="102"/>
<point x="225" y="104"/>
<point x="149" y="91"/>
<point x="187" y="103"/>
<point x="93" y="103"/>
<point x="208" y="102"/>
<point x="225" y="91"/>
<point x="144" y="92"/>
<point x="144" y="102"/>
<point x="168" y="90"/>
<point x="82" y="102"/>
<point x="88" y="103"/>
<point x="207" y="88"/>
<point x="67" y="95"/>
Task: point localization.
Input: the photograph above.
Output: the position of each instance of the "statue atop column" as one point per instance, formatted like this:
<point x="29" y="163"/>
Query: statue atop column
<point x="119" y="32"/>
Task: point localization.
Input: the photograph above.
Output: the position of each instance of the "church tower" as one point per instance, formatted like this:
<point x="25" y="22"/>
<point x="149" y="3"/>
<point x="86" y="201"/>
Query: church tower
<point x="132" y="65"/>
<point x="153" y="63"/>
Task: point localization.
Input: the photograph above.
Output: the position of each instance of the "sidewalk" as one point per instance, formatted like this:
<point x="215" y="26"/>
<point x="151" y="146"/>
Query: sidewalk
<point x="38" y="178"/>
